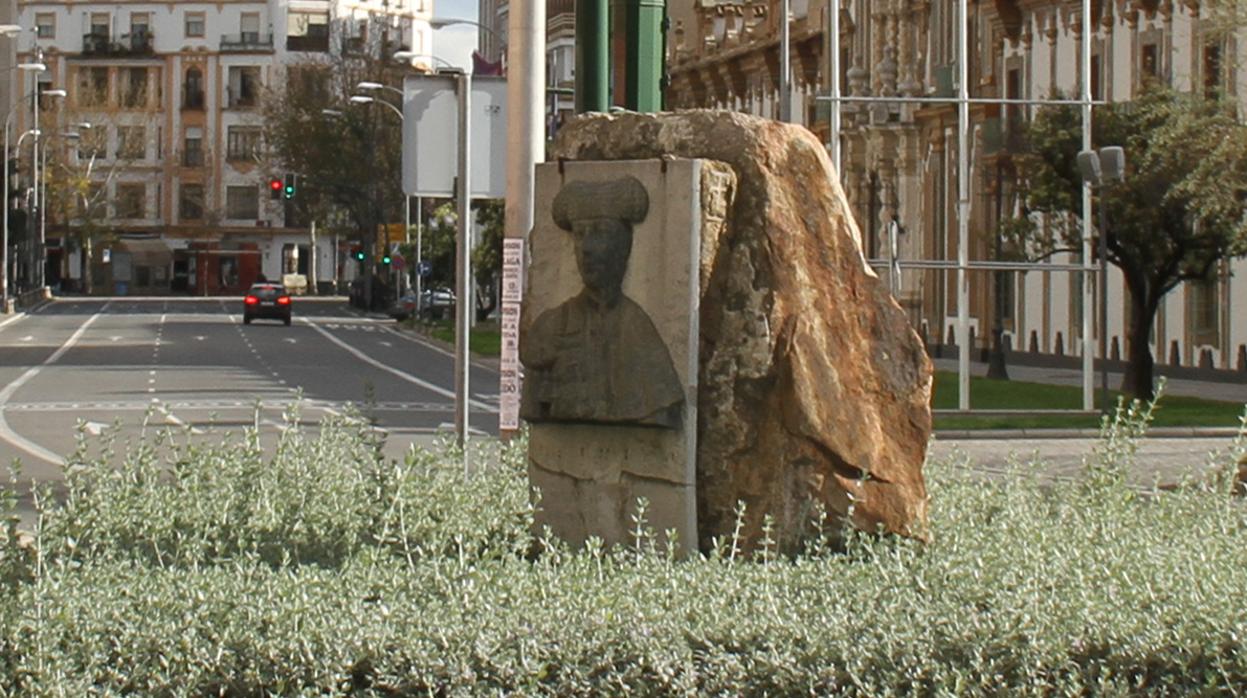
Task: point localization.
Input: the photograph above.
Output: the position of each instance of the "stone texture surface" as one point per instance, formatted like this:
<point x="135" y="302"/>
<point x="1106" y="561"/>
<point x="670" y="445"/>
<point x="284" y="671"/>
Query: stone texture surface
<point x="812" y="386"/>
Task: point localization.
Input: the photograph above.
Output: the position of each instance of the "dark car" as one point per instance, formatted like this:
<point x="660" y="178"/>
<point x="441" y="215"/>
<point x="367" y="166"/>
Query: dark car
<point x="437" y="304"/>
<point x="266" y="300"/>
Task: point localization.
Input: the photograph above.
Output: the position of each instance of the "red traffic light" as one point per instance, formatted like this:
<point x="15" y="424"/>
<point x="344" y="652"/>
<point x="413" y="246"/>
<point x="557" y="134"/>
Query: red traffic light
<point x="274" y="184"/>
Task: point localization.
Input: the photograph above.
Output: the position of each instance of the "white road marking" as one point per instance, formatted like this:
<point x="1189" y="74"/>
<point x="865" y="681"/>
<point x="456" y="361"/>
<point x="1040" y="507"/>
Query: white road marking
<point x="95" y="428"/>
<point x="173" y="419"/>
<point x="385" y="344"/>
<point x="27" y="338"/>
<point x="12" y="320"/>
<point x="394" y="371"/>
<point x="114" y="339"/>
<point x="200" y="337"/>
<point x="6" y="432"/>
<point x="292" y="340"/>
<point x="449" y="426"/>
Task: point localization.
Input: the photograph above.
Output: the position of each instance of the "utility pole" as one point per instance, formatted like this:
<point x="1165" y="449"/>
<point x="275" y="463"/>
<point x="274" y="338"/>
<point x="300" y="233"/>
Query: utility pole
<point x="644" y="22"/>
<point x="592" y="56"/>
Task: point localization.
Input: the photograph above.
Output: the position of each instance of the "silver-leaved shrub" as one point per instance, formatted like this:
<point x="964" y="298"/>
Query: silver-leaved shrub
<point x="313" y="566"/>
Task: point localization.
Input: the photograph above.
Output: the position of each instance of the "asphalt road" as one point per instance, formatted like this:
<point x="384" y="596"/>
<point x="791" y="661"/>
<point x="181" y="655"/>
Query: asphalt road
<point x="192" y="363"/>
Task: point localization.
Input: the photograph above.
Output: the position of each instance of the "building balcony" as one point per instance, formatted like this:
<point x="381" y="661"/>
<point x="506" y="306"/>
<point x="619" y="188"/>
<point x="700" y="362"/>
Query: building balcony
<point x="193" y="100"/>
<point x="236" y="98"/>
<point x="312" y="42"/>
<point x="192" y="158"/>
<point x="138" y="44"/>
<point x="246" y="41"/>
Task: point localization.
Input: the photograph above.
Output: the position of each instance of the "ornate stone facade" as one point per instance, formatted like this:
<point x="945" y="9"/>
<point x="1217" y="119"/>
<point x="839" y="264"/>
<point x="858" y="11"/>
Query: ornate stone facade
<point x="899" y="160"/>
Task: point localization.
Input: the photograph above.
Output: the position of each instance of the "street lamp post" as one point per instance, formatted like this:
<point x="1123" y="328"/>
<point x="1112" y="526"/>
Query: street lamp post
<point x="1098" y="170"/>
<point x="5" y="301"/>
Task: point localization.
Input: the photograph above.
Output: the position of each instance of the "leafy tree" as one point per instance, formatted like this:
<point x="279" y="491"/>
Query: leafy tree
<point x="77" y="192"/>
<point x="439" y="249"/>
<point x="1178" y="213"/>
<point x="348" y="162"/>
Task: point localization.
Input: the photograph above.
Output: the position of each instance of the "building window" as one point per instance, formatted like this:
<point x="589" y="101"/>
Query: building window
<point x="140" y="23"/>
<point x="243" y="143"/>
<point x="244" y="86"/>
<point x="249" y="28"/>
<point x="192" y="148"/>
<point x="1149" y="63"/>
<point x="100" y="23"/>
<point x="45" y="25"/>
<point x="132" y="200"/>
<point x="93" y="86"/>
<point x="1205" y="310"/>
<point x="191" y="202"/>
<point x="92" y="143"/>
<point x="1212" y="71"/>
<point x="194" y="23"/>
<point x="1095" y="77"/>
<point x="131" y="142"/>
<point x="134" y="87"/>
<point x="307" y="31"/>
<point x="193" y="89"/>
<point x="242" y="202"/>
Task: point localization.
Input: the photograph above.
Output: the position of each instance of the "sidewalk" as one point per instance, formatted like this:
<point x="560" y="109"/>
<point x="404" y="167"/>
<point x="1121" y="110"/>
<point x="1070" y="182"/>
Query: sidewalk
<point x="1208" y="390"/>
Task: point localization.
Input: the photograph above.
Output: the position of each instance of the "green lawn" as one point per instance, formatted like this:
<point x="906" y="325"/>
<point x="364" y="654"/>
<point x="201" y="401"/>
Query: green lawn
<point x="484" y="339"/>
<point x="985" y="393"/>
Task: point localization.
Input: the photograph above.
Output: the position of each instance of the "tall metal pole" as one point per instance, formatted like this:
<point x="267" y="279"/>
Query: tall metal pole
<point x="592" y="56"/>
<point x="526" y="59"/>
<point x="833" y="82"/>
<point x="644" y="54"/>
<point x="463" y="267"/>
<point x="8" y="200"/>
<point x="1088" y="297"/>
<point x="419" y="255"/>
<point x="38" y="255"/>
<point x="963" y="210"/>
<point x="32" y="219"/>
<point x="785" y="69"/>
<point x="1104" y="404"/>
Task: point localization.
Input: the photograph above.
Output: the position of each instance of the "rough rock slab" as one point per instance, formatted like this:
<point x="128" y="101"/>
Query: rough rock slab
<point x="813" y="387"/>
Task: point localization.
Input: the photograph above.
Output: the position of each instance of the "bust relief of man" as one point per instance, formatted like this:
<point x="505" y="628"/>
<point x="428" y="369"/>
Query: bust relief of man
<point x="597" y="357"/>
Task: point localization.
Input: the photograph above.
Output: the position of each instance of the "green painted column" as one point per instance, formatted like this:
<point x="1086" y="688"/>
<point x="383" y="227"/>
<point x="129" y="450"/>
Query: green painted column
<point x="592" y="56"/>
<point x="645" y="54"/>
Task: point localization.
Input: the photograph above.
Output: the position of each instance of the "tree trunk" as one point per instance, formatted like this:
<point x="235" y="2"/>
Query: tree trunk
<point x="85" y="263"/>
<point x="1138" y="380"/>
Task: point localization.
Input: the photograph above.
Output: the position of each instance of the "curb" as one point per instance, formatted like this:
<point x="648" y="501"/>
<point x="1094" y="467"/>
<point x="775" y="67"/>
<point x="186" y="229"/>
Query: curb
<point x="1017" y="434"/>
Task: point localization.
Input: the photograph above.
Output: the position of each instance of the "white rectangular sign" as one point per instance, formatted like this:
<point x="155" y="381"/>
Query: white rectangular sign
<point x="509" y="366"/>
<point x="431" y="135"/>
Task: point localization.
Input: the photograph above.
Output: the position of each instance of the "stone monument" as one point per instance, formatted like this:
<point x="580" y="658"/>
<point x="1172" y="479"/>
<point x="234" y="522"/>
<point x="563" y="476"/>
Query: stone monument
<point x="608" y="342"/>
<point x="725" y="240"/>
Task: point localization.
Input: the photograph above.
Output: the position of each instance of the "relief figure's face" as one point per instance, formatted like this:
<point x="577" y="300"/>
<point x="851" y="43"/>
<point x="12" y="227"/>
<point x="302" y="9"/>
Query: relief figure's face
<point x="602" y="249"/>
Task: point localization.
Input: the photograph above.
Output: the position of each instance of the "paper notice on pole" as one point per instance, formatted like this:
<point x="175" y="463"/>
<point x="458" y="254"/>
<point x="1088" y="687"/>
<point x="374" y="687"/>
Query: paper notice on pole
<point x="509" y="368"/>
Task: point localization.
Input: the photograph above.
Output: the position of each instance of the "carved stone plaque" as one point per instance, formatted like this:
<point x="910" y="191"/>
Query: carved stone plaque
<point x="608" y="343"/>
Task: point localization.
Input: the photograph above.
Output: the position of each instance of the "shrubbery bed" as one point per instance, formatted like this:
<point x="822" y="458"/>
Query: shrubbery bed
<point x="317" y="569"/>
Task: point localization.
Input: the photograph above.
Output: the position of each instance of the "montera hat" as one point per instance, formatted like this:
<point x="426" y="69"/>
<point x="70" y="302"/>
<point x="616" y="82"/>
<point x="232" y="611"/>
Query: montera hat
<point x="621" y="199"/>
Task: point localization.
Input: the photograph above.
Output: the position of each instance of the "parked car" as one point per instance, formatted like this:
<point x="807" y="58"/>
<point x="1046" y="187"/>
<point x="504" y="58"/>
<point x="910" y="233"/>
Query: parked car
<point x="266" y="300"/>
<point x="438" y="303"/>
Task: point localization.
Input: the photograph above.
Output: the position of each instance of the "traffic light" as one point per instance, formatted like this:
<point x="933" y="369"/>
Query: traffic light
<point x="359" y="253"/>
<point x="288" y="190"/>
<point x="386" y="260"/>
<point x="274" y="188"/>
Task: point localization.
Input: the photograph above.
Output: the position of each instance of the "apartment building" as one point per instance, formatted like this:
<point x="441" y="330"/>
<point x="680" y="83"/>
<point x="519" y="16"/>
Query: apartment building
<point x="560" y="51"/>
<point x="175" y="149"/>
<point x="900" y="160"/>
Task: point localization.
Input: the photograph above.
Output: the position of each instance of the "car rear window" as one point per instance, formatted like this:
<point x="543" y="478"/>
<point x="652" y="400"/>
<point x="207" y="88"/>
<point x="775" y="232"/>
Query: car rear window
<point x="267" y="291"/>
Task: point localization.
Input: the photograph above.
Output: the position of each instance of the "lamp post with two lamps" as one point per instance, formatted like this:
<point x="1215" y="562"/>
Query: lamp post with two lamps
<point x="1099" y="170"/>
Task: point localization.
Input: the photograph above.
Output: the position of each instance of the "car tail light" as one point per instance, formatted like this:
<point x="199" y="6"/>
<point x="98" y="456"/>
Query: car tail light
<point x="251" y="300"/>
<point x="283" y="300"/>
